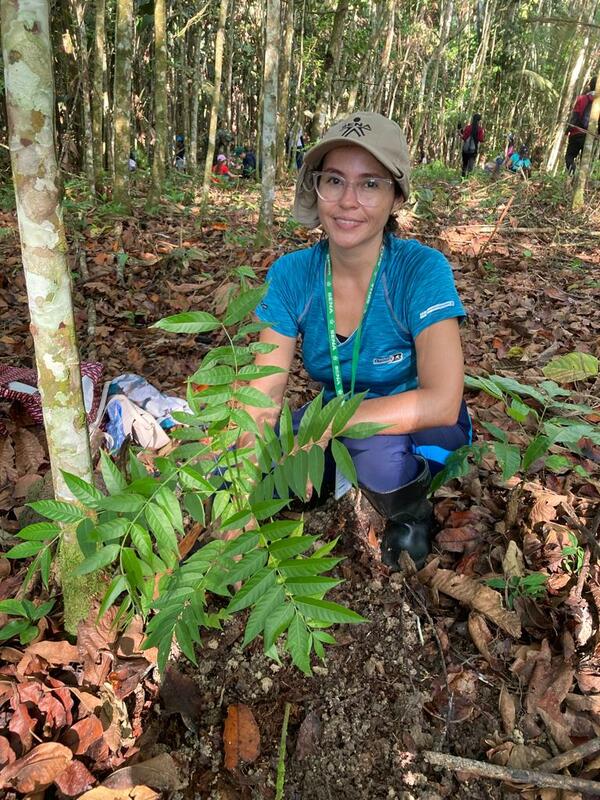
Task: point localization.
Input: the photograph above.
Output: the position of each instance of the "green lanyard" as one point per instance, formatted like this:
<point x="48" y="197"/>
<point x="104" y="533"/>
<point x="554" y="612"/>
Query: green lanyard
<point x="331" y="332"/>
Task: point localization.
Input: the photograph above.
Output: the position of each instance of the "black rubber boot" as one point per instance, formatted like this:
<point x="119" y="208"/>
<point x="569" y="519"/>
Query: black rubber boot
<point x="410" y="517"/>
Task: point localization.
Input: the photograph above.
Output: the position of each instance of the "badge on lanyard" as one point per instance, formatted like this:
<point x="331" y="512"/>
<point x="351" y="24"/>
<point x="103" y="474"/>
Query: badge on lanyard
<point x="342" y="484"/>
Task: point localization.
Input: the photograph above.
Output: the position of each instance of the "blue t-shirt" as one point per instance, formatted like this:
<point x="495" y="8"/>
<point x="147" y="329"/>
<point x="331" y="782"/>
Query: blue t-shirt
<point x="414" y="289"/>
<point x="516" y="162"/>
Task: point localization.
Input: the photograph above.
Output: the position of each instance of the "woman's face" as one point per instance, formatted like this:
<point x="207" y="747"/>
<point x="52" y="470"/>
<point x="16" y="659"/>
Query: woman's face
<point x="348" y="223"/>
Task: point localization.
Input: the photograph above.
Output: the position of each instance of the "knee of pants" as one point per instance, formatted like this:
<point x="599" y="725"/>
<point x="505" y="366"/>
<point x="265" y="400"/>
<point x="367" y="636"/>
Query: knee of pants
<point x="383" y="463"/>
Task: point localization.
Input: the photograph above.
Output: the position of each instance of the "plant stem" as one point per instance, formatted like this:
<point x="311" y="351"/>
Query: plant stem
<point x="280" y="782"/>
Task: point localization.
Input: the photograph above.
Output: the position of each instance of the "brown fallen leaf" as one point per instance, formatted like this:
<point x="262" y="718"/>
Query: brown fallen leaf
<point x="480" y="598"/>
<point x="241" y="737"/>
<point x="160" y="773"/>
<point x="55" y="653"/>
<point x="308" y="736"/>
<point x="7" y="754"/>
<point x="22" y="724"/>
<point x="518" y="756"/>
<point x="135" y="793"/>
<point x="82" y="735"/>
<point x="75" y="779"/>
<point x="458" y="540"/>
<point x="181" y="695"/>
<point x="37" y="770"/>
<point x="481" y="636"/>
<point x="95" y="640"/>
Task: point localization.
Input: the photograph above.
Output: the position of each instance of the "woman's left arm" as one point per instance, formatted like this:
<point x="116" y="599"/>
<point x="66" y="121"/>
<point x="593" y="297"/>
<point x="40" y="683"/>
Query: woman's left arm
<point x="436" y="402"/>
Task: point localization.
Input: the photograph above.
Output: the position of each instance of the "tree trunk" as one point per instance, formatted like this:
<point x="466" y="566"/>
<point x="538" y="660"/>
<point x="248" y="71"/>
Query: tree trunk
<point x="384" y="82"/>
<point x="192" y="150"/>
<point x="216" y="98"/>
<point x="269" y="123"/>
<point x="160" y="97"/>
<point x="30" y="104"/>
<point x="586" y="156"/>
<point x="122" y="101"/>
<point x="98" y="89"/>
<point x="330" y="69"/>
<point x="284" y="90"/>
<point x="83" y="58"/>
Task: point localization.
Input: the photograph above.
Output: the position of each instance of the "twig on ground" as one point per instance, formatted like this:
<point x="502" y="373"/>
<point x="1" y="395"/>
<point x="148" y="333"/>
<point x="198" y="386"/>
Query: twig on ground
<point x="528" y="776"/>
<point x="571" y="756"/>
<point x="280" y="781"/>
<point x="493" y="233"/>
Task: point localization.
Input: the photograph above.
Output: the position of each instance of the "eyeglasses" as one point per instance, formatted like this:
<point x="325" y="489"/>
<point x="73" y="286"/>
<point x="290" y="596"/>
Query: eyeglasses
<point x="369" y="191"/>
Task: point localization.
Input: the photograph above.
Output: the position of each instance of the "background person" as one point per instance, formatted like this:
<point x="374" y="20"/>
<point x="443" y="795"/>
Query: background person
<point x="577" y="126"/>
<point x="374" y="313"/>
<point x="473" y="135"/>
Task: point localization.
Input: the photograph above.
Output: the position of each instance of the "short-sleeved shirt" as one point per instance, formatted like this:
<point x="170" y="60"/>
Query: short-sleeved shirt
<point x="414" y="289"/>
<point x="516" y="162"/>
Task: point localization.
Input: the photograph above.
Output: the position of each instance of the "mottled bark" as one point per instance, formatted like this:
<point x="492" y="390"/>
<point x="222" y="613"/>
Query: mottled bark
<point x="192" y="151"/>
<point x="160" y="97"/>
<point x="216" y="98"/>
<point x="30" y="104"/>
<point x="122" y="100"/>
<point x="98" y="91"/>
<point x="586" y="156"/>
<point x="269" y="123"/>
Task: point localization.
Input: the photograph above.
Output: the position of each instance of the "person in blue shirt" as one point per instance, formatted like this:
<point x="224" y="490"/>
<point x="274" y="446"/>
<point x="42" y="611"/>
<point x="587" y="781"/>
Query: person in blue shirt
<point x="374" y="313"/>
<point x="520" y="161"/>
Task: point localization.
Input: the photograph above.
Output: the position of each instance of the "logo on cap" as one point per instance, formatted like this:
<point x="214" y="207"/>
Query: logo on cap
<point x="356" y="126"/>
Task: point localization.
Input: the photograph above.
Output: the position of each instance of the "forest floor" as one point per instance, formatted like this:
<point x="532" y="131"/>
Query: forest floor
<point x="436" y="667"/>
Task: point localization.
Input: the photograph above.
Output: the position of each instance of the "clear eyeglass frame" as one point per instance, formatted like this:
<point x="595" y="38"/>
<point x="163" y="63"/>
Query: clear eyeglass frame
<point x="369" y="200"/>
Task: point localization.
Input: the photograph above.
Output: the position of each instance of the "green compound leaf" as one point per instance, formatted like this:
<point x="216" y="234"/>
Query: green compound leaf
<point x="243" y="304"/>
<point x="299" y="644"/>
<point x="287" y="548"/>
<point x="58" y="510"/>
<point x="39" y="532"/>
<point x="344" y="461"/>
<point x="113" y="480"/>
<point x="125" y="503"/>
<point x="316" y="467"/>
<point x="509" y="458"/>
<point x="214" y="376"/>
<point x="310" y="585"/>
<point x="85" y="492"/>
<point x="24" y="550"/>
<point x="99" y="560"/>
<point x="304" y="567"/>
<point x="262" y="609"/>
<point x="250" y="396"/>
<point x="307" y="430"/>
<point x="254" y="588"/>
<point x="277" y="623"/>
<point x="188" y="322"/>
<point x="324" y="611"/>
<point x="535" y="450"/>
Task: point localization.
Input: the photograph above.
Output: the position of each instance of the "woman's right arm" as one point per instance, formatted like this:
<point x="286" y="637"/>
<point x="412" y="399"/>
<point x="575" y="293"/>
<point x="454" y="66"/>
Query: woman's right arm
<point x="273" y="386"/>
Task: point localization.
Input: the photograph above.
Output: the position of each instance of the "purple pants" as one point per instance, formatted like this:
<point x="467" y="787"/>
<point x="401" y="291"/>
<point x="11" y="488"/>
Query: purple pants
<point x="387" y="462"/>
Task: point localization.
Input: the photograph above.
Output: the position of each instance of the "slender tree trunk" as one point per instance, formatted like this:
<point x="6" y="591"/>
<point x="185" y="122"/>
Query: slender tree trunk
<point x="98" y="90"/>
<point x="216" y="98"/>
<point x="284" y="90"/>
<point x="230" y="57"/>
<point x="30" y="103"/>
<point x="384" y="82"/>
<point x="83" y="59"/>
<point x="330" y="69"/>
<point x="586" y="156"/>
<point x="122" y="100"/>
<point x="160" y="97"/>
<point x="192" y="150"/>
<point x="269" y="124"/>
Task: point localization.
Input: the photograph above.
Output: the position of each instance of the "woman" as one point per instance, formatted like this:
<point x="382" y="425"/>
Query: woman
<point x="375" y="314"/>
<point x="473" y="135"/>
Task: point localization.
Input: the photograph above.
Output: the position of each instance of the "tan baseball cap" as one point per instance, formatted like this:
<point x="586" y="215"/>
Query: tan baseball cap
<point x="379" y="136"/>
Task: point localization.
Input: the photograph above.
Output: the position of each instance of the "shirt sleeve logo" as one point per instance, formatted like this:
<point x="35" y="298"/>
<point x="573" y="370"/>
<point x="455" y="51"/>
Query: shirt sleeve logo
<point x="437" y="307"/>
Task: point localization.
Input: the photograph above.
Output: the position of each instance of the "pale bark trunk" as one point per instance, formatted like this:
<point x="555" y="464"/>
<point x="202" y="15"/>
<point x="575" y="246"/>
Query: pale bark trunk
<point x="586" y="156"/>
<point x="284" y="90"/>
<point x="230" y="57"/>
<point x="384" y="83"/>
<point x="122" y="100"/>
<point x="30" y="104"/>
<point x="99" y="83"/>
<point x="216" y="98"/>
<point x="160" y="97"/>
<point x="269" y="123"/>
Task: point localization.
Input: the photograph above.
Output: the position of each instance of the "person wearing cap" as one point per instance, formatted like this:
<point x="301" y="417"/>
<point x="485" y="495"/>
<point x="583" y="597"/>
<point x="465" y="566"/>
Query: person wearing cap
<point x="220" y="168"/>
<point x="374" y="314"/>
